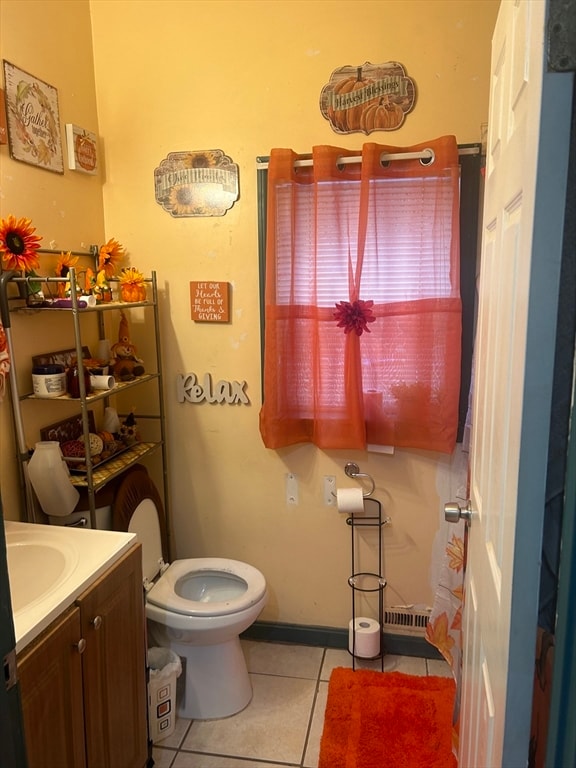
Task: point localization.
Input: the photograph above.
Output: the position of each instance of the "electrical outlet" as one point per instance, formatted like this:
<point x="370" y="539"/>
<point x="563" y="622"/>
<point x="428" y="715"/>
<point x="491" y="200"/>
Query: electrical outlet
<point x="329" y="490"/>
<point x="291" y="489"/>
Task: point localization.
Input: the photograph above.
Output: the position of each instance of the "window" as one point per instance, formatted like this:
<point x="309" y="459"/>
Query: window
<point x="378" y="234"/>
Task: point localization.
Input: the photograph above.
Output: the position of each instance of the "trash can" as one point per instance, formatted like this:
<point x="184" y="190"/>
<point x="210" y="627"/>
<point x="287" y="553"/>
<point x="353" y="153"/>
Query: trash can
<point x="165" y="668"/>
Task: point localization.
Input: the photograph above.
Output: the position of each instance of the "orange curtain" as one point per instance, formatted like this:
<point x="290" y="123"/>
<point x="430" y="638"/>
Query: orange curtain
<point x="363" y="312"/>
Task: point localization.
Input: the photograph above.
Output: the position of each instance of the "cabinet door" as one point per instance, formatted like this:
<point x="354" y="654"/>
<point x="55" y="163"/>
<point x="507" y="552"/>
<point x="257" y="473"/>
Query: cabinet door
<point x="50" y="673"/>
<point x="114" y="667"/>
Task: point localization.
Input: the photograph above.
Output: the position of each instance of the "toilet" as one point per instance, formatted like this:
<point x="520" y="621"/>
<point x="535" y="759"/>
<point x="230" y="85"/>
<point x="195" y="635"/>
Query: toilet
<point x="197" y="607"/>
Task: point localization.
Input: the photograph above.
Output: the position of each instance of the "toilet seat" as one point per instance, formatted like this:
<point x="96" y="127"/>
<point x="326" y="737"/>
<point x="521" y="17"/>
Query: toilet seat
<point x="242" y="577"/>
<point x="138" y="508"/>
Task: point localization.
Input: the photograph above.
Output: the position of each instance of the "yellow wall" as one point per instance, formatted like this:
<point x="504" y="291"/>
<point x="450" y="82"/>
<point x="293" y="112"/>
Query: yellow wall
<point x="66" y="209"/>
<point x="245" y="77"/>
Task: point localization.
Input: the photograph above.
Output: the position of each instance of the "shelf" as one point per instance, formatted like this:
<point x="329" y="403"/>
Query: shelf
<point x="114" y="466"/>
<point x="95" y="476"/>
<point x="121" y="386"/>
<point x="367" y="582"/>
<point x="103" y="307"/>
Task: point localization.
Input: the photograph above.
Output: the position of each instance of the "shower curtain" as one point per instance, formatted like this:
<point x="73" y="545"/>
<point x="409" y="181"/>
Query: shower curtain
<point x="448" y="566"/>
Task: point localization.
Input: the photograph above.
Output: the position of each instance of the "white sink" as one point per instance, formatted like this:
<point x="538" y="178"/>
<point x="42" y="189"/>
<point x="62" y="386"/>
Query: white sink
<point x="38" y="563"/>
<point x="49" y="566"/>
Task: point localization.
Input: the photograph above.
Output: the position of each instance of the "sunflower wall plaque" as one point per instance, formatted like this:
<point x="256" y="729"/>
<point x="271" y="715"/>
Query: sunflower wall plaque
<point x="33" y="120"/>
<point x="202" y="183"/>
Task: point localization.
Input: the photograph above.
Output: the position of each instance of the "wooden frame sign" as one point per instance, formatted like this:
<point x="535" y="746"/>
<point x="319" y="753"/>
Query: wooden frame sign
<point x="210" y="301"/>
<point x="33" y="119"/>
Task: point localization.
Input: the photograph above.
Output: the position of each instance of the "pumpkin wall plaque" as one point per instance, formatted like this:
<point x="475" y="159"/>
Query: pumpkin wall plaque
<point x="82" y="149"/>
<point x="367" y="98"/>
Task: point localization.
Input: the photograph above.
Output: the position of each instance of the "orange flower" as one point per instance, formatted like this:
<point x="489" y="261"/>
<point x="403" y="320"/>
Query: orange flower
<point x="110" y="256"/>
<point x="65" y="261"/>
<point x="131" y="276"/>
<point x="18" y="244"/>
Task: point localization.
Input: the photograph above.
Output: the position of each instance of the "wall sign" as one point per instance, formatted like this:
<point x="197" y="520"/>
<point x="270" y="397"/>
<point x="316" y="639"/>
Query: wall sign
<point x="3" y="126"/>
<point x="33" y="120"/>
<point x="371" y="97"/>
<point x="82" y="149"/>
<point x="190" y="390"/>
<point x="203" y="183"/>
<point x="210" y="301"/>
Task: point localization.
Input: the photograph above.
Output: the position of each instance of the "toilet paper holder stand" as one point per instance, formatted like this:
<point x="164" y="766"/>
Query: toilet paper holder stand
<point x="367" y="581"/>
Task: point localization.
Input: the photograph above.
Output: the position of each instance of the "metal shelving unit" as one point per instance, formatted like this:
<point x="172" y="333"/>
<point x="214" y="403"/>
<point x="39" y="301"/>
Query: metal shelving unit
<point x="96" y="476"/>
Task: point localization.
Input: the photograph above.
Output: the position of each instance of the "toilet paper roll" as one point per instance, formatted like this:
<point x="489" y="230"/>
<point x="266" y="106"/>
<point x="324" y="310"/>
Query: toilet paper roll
<point x="350" y="501"/>
<point x="364" y="637"/>
<point x="103" y="382"/>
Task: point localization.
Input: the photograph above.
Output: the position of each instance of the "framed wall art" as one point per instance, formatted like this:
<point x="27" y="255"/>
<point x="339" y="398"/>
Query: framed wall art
<point x="82" y="148"/>
<point x="33" y="120"/>
<point x="3" y="126"/>
<point x="367" y="98"/>
<point x="199" y="183"/>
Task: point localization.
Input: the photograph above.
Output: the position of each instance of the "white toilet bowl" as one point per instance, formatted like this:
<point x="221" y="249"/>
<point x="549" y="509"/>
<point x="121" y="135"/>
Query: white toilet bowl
<point x="197" y="607"/>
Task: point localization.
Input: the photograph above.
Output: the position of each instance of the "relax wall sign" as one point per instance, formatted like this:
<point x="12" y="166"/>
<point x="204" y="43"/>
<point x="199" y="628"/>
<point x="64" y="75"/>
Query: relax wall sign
<point x="190" y="390"/>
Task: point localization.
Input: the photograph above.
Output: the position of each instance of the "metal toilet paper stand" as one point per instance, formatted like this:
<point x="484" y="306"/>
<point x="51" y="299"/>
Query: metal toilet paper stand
<point x="366" y="581"/>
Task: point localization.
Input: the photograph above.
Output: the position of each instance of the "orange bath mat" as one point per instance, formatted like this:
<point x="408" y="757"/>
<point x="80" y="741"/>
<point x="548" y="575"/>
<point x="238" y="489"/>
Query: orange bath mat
<point x="387" y="720"/>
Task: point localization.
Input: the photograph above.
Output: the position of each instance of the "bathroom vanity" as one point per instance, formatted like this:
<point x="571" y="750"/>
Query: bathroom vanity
<point x="81" y="646"/>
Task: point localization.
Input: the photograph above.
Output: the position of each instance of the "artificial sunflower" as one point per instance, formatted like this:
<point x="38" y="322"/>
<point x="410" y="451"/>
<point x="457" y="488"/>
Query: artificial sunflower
<point x="110" y="256"/>
<point x="65" y="261"/>
<point x="132" y="285"/>
<point x="18" y="244"/>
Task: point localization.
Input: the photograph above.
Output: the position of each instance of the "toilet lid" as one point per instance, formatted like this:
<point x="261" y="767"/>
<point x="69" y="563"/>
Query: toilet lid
<point x="144" y="523"/>
<point x="137" y="508"/>
<point x="165" y="595"/>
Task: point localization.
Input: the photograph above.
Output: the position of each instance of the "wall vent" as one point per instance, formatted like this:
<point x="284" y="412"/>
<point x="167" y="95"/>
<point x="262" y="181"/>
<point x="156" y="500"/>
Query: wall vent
<point x="406" y="621"/>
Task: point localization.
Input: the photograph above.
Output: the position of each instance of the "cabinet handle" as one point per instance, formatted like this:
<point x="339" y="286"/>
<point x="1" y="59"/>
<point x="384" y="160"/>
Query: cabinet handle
<point x="96" y="622"/>
<point x="80" y="645"/>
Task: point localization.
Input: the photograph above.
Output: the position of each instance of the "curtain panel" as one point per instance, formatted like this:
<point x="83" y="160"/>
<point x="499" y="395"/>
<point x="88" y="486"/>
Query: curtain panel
<point x="362" y="299"/>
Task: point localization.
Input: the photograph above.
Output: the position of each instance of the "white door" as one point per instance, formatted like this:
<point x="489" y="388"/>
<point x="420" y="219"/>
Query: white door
<point x="527" y="150"/>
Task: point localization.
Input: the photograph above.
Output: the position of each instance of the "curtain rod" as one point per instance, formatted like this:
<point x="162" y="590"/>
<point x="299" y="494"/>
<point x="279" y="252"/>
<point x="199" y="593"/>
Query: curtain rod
<point x="425" y="154"/>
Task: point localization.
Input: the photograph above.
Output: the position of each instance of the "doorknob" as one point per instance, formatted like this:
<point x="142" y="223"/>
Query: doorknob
<point x="453" y="512"/>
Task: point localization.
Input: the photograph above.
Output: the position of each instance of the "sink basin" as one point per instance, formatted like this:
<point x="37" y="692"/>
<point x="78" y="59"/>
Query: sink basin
<point x="49" y="566"/>
<point x="37" y="565"/>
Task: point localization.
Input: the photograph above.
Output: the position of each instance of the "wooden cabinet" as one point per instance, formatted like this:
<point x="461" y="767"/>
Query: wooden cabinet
<point x="50" y="676"/>
<point x="114" y="667"/>
<point x="83" y="682"/>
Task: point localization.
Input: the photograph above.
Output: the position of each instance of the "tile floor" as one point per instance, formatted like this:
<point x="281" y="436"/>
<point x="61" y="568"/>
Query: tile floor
<point x="283" y="723"/>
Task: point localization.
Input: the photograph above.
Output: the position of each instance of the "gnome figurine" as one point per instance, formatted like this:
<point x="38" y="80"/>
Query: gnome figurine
<point x="126" y="364"/>
<point x="129" y="430"/>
